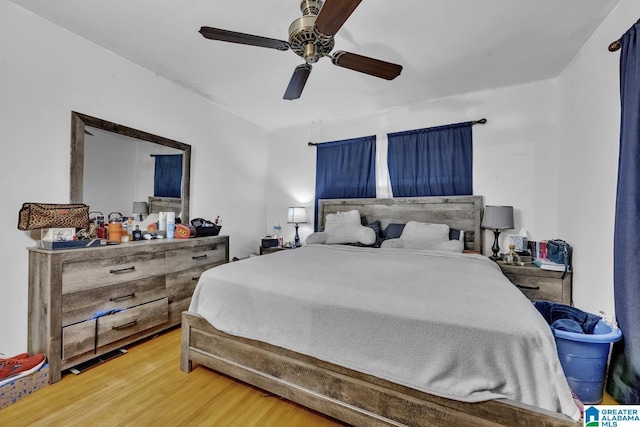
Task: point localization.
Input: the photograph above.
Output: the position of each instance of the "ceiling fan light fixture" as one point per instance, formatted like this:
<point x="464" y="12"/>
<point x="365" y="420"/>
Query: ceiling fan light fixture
<point x="302" y="33"/>
<point x="311" y="55"/>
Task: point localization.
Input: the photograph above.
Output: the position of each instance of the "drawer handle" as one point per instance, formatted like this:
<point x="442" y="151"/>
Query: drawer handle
<point x="199" y="256"/>
<point x="123" y="297"/>
<point x="125" y="326"/>
<point x="533" y="288"/>
<point x="123" y="270"/>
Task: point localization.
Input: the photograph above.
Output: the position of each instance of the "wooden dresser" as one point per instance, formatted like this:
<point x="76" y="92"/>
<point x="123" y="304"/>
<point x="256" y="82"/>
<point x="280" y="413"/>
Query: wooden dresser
<point x="87" y="302"/>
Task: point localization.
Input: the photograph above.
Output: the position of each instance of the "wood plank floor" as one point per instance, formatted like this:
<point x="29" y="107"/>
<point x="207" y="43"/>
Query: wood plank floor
<point x="145" y="387"/>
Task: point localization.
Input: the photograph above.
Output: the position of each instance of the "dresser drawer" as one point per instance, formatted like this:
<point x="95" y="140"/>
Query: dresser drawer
<point x="81" y="337"/>
<point x="80" y="306"/>
<point x="208" y="255"/>
<point x="184" y="281"/>
<point x="94" y="273"/>
<point x="538" y="288"/>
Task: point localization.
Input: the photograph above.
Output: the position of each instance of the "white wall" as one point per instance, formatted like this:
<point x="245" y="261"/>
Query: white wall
<point x="589" y="141"/>
<point x="515" y="153"/>
<point x="550" y="149"/>
<point x="45" y="73"/>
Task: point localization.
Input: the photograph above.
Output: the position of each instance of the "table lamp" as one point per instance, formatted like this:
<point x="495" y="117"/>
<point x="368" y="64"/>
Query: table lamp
<point x="140" y="208"/>
<point x="297" y="215"/>
<point x="497" y="218"/>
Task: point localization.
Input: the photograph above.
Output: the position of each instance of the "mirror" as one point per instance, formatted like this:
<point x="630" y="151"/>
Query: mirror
<point x="112" y="166"/>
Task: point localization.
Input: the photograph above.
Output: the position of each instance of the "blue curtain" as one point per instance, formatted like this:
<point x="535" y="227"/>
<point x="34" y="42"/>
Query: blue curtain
<point x="624" y="373"/>
<point x="435" y="161"/>
<point x="345" y="169"/>
<point x="167" y="181"/>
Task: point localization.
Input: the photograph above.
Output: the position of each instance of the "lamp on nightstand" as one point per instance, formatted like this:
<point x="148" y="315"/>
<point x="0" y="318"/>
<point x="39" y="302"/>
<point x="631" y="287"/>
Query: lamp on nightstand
<point x="497" y="218"/>
<point x="297" y="215"/>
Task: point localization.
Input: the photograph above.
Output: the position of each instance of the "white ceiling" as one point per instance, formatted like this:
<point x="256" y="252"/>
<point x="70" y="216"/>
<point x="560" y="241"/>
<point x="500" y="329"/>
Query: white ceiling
<point x="446" y="47"/>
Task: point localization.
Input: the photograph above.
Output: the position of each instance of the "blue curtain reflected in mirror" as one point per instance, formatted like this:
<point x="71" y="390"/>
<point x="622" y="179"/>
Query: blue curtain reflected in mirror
<point x="167" y="180"/>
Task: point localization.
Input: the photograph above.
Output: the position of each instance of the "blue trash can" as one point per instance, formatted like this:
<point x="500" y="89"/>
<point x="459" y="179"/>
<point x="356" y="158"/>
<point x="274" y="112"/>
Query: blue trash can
<point x="584" y="359"/>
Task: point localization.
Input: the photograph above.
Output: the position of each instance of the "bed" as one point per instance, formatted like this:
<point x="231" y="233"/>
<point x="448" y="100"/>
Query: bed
<point x="284" y="342"/>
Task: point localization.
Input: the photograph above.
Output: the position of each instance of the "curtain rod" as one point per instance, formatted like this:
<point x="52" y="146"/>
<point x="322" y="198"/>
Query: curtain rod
<point x="475" y="122"/>
<point x="615" y="46"/>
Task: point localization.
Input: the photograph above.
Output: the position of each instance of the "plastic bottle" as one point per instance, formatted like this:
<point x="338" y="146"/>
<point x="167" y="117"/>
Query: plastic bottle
<point x="162" y="221"/>
<point x="171" y="225"/>
<point x="277" y="230"/>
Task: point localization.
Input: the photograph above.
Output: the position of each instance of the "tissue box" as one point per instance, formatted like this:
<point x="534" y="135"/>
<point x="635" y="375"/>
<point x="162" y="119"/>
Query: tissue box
<point x="15" y="390"/>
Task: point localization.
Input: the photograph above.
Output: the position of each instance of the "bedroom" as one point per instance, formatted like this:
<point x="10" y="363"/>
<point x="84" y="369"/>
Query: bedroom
<point x="560" y="129"/>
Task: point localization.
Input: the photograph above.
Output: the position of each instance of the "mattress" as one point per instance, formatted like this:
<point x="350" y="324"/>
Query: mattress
<point x="445" y="323"/>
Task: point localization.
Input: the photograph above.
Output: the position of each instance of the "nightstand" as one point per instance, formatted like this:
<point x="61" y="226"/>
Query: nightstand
<point x="265" y="251"/>
<point x="539" y="284"/>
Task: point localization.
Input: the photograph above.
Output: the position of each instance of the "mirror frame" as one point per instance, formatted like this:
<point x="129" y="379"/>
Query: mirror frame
<point x="76" y="182"/>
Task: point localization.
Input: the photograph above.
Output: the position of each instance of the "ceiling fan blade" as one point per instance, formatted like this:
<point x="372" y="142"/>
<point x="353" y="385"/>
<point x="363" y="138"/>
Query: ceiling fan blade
<point x="364" y="64"/>
<point x="297" y="82"/>
<point x="333" y="15"/>
<point x="242" y="38"/>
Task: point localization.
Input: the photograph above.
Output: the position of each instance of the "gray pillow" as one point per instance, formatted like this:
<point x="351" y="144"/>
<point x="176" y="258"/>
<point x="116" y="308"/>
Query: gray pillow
<point x="393" y="231"/>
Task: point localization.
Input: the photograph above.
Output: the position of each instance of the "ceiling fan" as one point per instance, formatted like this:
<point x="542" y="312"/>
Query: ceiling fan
<point x="311" y="37"/>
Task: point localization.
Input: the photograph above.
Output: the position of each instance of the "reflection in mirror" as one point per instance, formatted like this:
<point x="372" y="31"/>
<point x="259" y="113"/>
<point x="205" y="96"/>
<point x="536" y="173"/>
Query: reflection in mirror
<point x="113" y="166"/>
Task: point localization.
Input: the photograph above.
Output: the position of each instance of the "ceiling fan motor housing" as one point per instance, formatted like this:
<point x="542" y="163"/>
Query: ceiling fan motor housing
<point x="304" y="40"/>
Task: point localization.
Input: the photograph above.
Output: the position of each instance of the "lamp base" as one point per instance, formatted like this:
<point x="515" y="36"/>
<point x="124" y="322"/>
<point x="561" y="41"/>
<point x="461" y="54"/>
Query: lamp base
<point x="496" y="247"/>
<point x="296" y="240"/>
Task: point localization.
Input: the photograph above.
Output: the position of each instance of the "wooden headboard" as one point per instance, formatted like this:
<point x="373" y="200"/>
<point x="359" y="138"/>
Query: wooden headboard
<point x="461" y="212"/>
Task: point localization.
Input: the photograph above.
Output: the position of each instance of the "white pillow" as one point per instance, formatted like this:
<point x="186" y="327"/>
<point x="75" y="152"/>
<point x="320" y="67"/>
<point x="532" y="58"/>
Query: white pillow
<point x="422" y="231"/>
<point x="346" y="227"/>
<point x="351" y="217"/>
<point x="425" y="236"/>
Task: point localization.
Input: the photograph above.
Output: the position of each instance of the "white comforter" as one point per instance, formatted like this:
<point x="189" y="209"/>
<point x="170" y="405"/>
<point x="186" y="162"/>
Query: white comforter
<point x="448" y="324"/>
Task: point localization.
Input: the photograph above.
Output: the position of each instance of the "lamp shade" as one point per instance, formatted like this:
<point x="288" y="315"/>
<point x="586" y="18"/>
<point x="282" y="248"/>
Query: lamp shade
<point x="498" y="217"/>
<point x="297" y="215"/>
<point x="140" y="207"/>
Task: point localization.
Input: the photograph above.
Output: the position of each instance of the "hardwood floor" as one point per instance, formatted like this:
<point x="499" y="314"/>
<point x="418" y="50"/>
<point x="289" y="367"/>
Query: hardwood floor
<point x="146" y="387"/>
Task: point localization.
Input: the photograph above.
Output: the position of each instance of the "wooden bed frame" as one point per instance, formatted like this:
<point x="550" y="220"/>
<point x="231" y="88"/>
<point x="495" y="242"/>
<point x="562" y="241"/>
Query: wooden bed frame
<point x="347" y="395"/>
